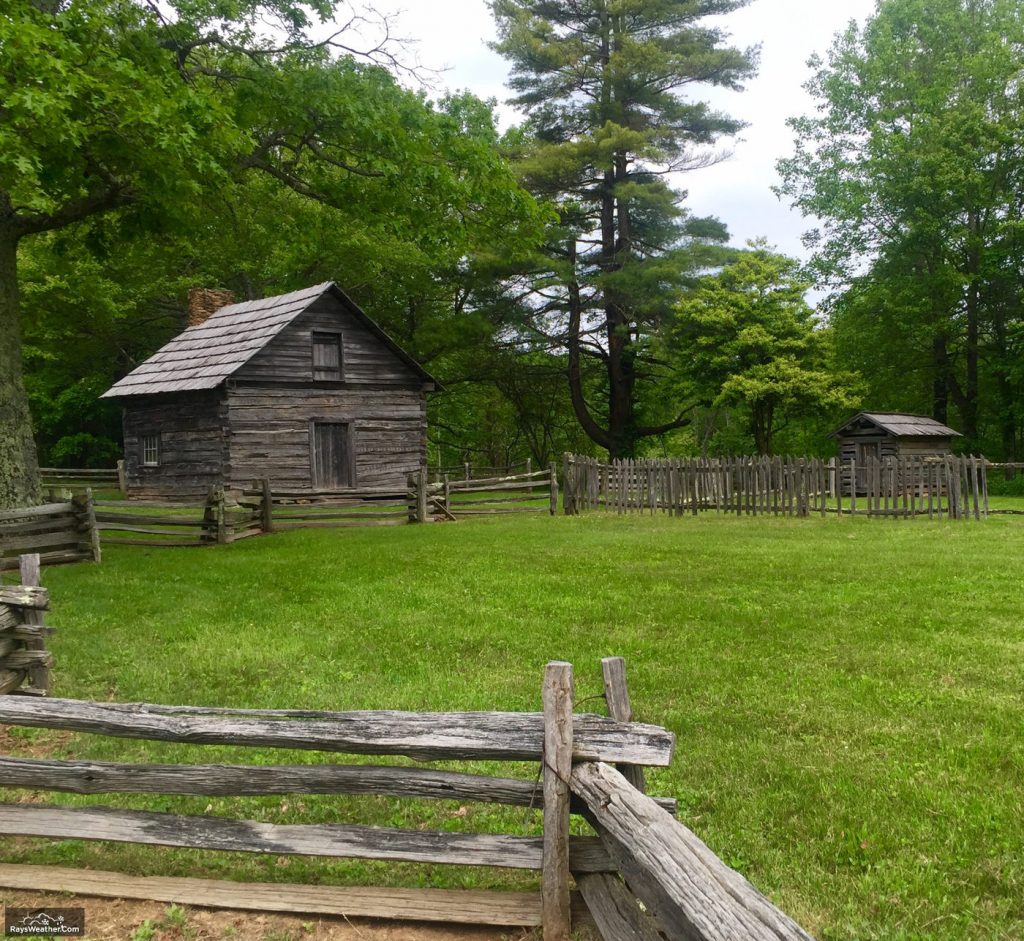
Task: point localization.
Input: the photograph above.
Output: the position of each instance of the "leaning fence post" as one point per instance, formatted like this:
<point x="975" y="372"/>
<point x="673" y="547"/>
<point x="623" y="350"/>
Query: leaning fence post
<point x="553" y="503"/>
<point x="38" y="673"/>
<point x="557" y="696"/>
<point x="266" y="507"/>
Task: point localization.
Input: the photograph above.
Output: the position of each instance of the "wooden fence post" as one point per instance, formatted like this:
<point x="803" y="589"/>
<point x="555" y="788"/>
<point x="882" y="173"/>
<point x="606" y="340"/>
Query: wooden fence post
<point x="447" y="490"/>
<point x="122" y="477"/>
<point x="568" y="498"/>
<point x="557" y="696"/>
<point x="85" y="512"/>
<point x="266" y="506"/>
<point x="529" y="465"/>
<point x="421" y="496"/>
<point x="553" y="501"/>
<point x="38" y="674"/>
<point x="620" y="708"/>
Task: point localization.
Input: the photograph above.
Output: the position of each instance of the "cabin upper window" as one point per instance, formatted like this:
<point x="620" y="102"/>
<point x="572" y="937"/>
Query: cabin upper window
<point x="326" y="356"/>
<point x="151" y="450"/>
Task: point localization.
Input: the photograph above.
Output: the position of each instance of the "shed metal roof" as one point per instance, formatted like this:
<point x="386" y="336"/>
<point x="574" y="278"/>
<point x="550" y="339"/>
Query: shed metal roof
<point x="901" y="425"/>
<point x="204" y="356"/>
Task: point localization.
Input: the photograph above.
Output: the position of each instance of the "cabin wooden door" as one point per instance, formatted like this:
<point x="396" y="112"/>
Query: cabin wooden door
<point x="331" y="456"/>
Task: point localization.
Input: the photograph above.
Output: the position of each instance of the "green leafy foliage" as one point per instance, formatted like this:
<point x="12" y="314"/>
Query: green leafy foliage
<point x="750" y="343"/>
<point x="190" y="150"/>
<point x="601" y="83"/>
<point x="913" y="164"/>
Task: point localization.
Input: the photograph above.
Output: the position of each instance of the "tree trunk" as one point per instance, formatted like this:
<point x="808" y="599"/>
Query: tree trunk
<point x="940" y="384"/>
<point x="19" y="471"/>
<point x="969" y="411"/>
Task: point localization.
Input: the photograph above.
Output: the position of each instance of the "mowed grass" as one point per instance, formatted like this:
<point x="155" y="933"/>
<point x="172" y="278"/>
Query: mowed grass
<point x="848" y="695"/>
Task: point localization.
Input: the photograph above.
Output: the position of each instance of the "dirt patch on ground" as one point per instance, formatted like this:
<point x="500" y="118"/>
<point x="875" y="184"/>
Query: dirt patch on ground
<point x="122" y="920"/>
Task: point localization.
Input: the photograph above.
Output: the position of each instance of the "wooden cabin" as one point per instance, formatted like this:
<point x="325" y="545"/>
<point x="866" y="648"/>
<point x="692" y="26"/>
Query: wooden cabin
<point x="303" y="389"/>
<point x="880" y="435"/>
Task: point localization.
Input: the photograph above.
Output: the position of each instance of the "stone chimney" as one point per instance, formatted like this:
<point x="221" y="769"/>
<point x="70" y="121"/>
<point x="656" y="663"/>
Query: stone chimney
<point x="204" y="302"/>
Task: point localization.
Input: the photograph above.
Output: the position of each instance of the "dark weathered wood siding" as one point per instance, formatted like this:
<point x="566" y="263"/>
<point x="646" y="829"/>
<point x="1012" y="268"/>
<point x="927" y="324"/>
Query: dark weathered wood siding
<point x="260" y="424"/>
<point x="193" y="436"/>
<point x="273" y="402"/>
<point x="365" y="358"/>
<point x="271" y="432"/>
<point x="888" y="446"/>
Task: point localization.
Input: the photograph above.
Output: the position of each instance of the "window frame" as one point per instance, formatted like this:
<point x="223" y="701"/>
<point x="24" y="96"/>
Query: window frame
<point x="150" y="442"/>
<point x="324" y="337"/>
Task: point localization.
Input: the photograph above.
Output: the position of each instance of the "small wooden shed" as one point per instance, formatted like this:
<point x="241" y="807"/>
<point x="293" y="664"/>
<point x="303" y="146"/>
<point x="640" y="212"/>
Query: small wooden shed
<point x="303" y="389"/>
<point x="880" y="435"/>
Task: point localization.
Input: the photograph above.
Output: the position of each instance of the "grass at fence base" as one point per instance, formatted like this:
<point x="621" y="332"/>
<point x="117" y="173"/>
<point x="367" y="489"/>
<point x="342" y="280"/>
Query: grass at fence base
<point x="847" y="693"/>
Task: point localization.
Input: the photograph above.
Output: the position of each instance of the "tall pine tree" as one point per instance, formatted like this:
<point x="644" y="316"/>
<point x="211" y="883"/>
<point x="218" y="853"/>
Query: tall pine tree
<point x="604" y="83"/>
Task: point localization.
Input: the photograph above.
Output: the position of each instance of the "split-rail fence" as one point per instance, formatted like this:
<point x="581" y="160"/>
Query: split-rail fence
<point x="64" y="531"/>
<point x="24" y="660"/>
<point x="447" y="499"/>
<point x="80" y="478"/>
<point x="942" y="487"/>
<point x="643" y="876"/>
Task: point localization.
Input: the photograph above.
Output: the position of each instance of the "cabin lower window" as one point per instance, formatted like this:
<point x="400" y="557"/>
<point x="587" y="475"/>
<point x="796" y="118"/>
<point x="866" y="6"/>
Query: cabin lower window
<point x="151" y="450"/>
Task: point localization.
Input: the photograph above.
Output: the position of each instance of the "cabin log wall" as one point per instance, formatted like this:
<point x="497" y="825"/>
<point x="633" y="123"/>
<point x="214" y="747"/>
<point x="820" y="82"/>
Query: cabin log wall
<point x="258" y="426"/>
<point x="193" y="434"/>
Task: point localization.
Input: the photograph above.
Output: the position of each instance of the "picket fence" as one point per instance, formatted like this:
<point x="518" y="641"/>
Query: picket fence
<point x="938" y="487"/>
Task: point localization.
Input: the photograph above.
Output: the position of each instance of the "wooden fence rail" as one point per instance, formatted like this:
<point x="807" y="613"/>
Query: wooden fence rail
<point x="650" y="878"/>
<point x="58" y="532"/>
<point x="219" y="520"/>
<point x="532" y="492"/>
<point x="940" y="487"/>
<point x="79" y="478"/>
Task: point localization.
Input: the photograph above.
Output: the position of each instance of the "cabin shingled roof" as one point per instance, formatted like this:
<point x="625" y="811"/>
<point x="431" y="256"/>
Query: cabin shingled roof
<point x="901" y="425"/>
<point x="204" y="356"/>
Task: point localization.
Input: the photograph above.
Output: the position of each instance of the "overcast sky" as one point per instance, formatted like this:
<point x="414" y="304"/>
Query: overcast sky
<point x="453" y="35"/>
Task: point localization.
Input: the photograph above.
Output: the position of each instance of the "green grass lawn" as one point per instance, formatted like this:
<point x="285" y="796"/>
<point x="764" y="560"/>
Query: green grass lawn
<point x="848" y="695"/>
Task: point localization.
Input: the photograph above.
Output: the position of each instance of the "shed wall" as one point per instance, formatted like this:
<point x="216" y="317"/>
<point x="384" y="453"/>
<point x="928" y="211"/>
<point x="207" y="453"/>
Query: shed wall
<point x="192" y="430"/>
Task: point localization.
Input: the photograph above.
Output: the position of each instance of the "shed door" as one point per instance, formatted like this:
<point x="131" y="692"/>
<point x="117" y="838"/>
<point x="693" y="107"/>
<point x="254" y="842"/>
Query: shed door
<point x="332" y="456"/>
<point x="866" y="451"/>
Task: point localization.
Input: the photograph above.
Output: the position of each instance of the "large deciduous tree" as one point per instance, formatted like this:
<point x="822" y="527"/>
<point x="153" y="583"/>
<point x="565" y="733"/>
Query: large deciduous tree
<point x="159" y="115"/>
<point x="750" y="343"/>
<point x="915" y="167"/>
<point x="605" y="86"/>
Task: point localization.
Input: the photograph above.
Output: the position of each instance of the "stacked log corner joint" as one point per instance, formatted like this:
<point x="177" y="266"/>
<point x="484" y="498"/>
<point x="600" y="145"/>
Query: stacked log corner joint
<point x="24" y="660"/>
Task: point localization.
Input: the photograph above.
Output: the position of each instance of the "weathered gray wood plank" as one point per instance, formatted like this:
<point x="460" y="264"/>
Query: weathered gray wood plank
<point x="690" y="892"/>
<point x="506" y="735"/>
<point x="23" y="596"/>
<point x="615" y="910"/>
<point x="509" y="909"/>
<point x="326" y="839"/>
<point x="109" y="777"/>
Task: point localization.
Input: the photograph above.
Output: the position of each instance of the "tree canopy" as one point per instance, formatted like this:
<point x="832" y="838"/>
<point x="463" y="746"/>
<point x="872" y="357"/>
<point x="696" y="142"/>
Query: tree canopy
<point x="914" y="165"/>
<point x="605" y="85"/>
<point x="123" y="121"/>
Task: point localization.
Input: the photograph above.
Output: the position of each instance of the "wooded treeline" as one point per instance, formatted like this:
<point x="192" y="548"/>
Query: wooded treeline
<point x="551" y="277"/>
